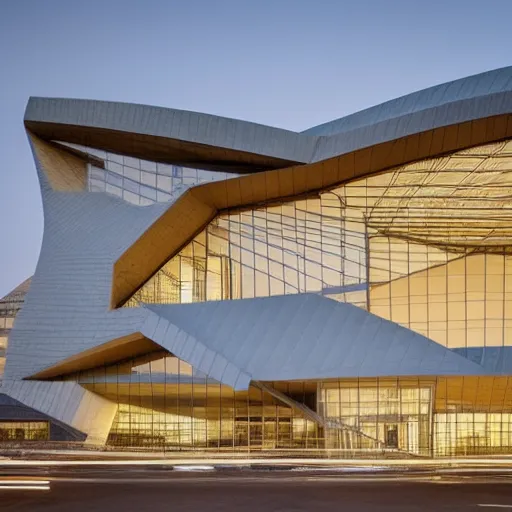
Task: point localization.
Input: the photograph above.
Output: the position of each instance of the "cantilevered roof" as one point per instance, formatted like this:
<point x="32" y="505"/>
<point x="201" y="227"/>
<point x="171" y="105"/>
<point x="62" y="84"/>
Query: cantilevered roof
<point x="290" y="337"/>
<point x="168" y="135"/>
<point x="208" y="141"/>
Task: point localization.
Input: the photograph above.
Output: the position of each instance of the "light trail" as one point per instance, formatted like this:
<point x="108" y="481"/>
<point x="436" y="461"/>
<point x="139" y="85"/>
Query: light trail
<point x="16" y="484"/>
<point x="493" y="505"/>
<point x="24" y="487"/>
<point x="377" y="463"/>
<point x="24" y="482"/>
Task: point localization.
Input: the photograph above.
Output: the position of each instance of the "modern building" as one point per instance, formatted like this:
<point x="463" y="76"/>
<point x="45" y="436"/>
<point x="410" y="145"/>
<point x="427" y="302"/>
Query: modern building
<point x="17" y="421"/>
<point x="212" y="284"/>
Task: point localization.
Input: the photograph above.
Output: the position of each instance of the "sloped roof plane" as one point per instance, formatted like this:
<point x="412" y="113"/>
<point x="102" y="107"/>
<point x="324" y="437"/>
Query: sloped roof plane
<point x="303" y="336"/>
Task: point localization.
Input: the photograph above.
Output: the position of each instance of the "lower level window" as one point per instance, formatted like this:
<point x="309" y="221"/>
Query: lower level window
<point x="24" y="431"/>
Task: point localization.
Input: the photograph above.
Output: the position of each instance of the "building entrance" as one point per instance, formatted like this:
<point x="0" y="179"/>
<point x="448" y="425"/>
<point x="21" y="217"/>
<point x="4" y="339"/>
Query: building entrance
<point x="377" y="417"/>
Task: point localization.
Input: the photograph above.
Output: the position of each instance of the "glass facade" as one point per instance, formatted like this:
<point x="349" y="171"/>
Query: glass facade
<point x="6" y="323"/>
<point x="163" y="403"/>
<point x="383" y="413"/>
<point x="303" y="246"/>
<point x="24" y="431"/>
<point x="425" y="245"/>
<point x="141" y="182"/>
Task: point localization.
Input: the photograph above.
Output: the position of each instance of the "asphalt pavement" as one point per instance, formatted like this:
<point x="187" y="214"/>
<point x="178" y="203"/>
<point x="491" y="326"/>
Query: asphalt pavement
<point x="201" y="489"/>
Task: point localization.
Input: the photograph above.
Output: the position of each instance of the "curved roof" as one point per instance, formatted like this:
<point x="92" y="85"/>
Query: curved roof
<point x="482" y="84"/>
<point x="219" y="143"/>
<point x="439" y="120"/>
<point x="167" y="135"/>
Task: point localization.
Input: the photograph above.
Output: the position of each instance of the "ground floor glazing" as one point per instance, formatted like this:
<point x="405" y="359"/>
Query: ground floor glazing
<point x="24" y="431"/>
<point x="163" y="403"/>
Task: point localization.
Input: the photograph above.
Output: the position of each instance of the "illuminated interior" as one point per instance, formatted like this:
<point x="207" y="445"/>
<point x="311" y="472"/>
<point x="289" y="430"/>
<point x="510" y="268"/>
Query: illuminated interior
<point x="163" y="403"/>
<point x="24" y="431"/>
<point x="425" y="245"/>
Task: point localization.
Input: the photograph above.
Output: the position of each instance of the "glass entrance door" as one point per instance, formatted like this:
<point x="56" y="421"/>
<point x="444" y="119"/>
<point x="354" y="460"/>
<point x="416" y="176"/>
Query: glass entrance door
<point x="393" y="417"/>
<point x="391" y="435"/>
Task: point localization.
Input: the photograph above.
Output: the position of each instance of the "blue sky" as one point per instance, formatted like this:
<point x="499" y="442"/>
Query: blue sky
<point x="287" y="63"/>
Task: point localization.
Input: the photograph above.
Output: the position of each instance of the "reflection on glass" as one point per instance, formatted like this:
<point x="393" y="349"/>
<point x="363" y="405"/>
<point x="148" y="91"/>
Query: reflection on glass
<point x="141" y="182"/>
<point x="424" y="245"/>
<point x="294" y="248"/>
<point x="378" y="414"/>
<point x="164" y="402"/>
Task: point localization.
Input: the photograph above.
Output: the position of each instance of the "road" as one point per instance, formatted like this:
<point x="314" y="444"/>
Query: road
<point x="126" y="490"/>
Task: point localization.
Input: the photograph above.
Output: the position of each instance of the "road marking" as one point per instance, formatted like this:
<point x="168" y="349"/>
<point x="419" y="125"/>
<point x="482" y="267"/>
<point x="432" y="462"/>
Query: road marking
<point x="193" y="468"/>
<point x="351" y="469"/>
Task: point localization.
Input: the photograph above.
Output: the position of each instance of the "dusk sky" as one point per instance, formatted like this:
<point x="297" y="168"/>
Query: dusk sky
<point x="286" y="63"/>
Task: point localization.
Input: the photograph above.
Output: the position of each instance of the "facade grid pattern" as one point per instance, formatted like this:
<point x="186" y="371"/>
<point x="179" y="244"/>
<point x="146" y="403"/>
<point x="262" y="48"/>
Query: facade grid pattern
<point x="142" y="182"/>
<point x="347" y="290"/>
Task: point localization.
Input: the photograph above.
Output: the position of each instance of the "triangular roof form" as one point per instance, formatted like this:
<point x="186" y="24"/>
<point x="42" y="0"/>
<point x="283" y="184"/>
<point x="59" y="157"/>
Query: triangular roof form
<point x="296" y="337"/>
<point x="18" y="294"/>
<point x="13" y="410"/>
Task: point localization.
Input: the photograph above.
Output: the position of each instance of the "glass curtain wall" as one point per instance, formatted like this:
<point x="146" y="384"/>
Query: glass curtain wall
<point x="439" y="416"/>
<point x="424" y="245"/>
<point x="465" y="303"/>
<point x="141" y="182"/>
<point x="392" y="414"/>
<point x="304" y="246"/>
<point x="24" y="431"/>
<point x="473" y="416"/>
<point x="164" y="403"/>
